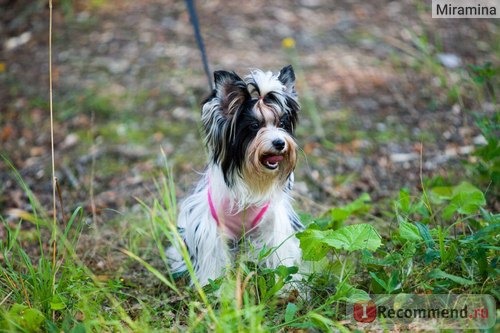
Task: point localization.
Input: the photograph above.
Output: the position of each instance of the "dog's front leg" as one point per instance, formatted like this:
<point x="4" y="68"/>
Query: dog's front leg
<point x="207" y="248"/>
<point x="277" y="232"/>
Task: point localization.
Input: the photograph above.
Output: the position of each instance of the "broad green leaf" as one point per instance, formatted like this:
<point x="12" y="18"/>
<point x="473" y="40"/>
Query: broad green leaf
<point x="448" y="211"/>
<point x="29" y="319"/>
<point x="340" y="214"/>
<point x="442" y="192"/>
<point x="439" y="274"/>
<point x="311" y="243"/>
<point x="342" y="291"/>
<point x="357" y="295"/>
<point x="409" y="231"/>
<point x="285" y="272"/>
<point x="354" y="237"/>
<point x="360" y="205"/>
<point x="57" y="303"/>
<point x="346" y="292"/>
<point x="466" y="199"/>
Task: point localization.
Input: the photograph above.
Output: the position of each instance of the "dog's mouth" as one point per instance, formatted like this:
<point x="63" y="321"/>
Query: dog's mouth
<point x="271" y="162"/>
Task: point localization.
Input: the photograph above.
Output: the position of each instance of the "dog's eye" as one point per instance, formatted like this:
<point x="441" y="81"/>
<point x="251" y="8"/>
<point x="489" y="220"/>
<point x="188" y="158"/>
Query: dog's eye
<point x="255" y="125"/>
<point x="283" y="122"/>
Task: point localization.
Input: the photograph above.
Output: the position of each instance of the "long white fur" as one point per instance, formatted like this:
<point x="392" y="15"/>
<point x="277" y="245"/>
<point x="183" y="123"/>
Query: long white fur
<point x="212" y="254"/>
<point x="208" y="246"/>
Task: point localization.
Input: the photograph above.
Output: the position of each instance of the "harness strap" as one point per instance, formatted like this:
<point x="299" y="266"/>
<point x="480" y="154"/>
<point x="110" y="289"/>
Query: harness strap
<point x="213" y="211"/>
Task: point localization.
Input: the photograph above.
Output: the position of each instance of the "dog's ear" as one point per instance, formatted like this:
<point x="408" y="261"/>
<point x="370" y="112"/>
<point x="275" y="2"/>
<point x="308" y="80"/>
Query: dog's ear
<point x="287" y="77"/>
<point x="231" y="90"/>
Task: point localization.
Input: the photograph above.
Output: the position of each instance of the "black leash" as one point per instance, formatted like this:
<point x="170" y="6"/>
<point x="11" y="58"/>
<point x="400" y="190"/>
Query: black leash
<point x="199" y="39"/>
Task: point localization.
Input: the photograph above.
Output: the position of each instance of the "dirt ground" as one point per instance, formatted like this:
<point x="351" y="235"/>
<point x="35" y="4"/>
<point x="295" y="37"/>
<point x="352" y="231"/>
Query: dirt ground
<point x="379" y="82"/>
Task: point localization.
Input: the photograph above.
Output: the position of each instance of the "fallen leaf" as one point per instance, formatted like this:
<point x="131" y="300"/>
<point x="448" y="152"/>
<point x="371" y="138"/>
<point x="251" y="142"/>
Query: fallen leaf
<point x="7" y="130"/>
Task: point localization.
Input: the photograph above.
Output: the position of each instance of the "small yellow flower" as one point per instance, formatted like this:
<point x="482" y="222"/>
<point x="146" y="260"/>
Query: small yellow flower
<point x="2" y="67"/>
<point x="288" y="43"/>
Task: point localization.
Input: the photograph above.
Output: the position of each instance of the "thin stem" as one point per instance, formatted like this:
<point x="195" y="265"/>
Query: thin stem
<point x="54" y="179"/>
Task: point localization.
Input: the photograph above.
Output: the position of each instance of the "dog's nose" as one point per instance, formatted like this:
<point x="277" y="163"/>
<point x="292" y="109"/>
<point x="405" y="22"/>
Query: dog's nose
<point x="279" y="144"/>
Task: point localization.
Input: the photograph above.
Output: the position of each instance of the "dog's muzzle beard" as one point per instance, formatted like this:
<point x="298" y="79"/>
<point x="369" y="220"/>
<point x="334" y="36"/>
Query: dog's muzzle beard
<point x="269" y="163"/>
<point x="272" y="159"/>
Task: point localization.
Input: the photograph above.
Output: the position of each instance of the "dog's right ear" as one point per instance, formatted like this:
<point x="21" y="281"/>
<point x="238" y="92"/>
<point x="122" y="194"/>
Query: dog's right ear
<point x="231" y="90"/>
<point x="287" y="77"/>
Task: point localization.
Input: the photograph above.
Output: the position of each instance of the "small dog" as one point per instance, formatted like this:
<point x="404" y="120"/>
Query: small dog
<point x="245" y="191"/>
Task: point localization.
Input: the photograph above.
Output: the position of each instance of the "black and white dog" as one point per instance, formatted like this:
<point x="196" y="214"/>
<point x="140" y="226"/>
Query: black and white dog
<point x="245" y="191"/>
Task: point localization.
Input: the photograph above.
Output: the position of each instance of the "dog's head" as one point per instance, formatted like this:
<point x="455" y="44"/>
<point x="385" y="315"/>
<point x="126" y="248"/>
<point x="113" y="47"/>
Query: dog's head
<point x="249" y="126"/>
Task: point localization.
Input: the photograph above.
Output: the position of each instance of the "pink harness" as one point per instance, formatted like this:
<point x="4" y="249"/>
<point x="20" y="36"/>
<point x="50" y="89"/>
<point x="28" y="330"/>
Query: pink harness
<point x="236" y="224"/>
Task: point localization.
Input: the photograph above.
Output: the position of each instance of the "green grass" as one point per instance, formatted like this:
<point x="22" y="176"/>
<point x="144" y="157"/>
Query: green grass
<point x="441" y="240"/>
<point x="438" y="240"/>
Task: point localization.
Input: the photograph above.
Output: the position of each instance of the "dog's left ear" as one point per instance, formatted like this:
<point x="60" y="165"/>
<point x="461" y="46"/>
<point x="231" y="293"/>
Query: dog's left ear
<point x="287" y="77"/>
<point x="231" y="90"/>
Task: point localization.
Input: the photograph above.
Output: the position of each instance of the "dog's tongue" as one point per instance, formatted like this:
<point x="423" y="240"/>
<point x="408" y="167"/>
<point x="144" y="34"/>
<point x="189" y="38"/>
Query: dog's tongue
<point x="273" y="159"/>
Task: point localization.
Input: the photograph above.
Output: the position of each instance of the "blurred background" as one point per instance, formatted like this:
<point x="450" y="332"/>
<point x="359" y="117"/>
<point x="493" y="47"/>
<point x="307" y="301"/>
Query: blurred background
<point x="390" y="97"/>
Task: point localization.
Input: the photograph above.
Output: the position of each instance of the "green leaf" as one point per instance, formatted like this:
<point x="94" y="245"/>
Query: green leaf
<point x="360" y="205"/>
<point x="354" y="237"/>
<point x="391" y="259"/>
<point x="79" y="328"/>
<point x="394" y="281"/>
<point x="340" y="214"/>
<point x="390" y="284"/>
<point x="430" y="252"/>
<point x="404" y="201"/>
<point x="306" y="325"/>
<point x="439" y="274"/>
<point x="285" y="272"/>
<point x="311" y="243"/>
<point x="261" y="283"/>
<point x="409" y="231"/>
<point x="291" y="310"/>
<point x="381" y="282"/>
<point x="29" y="319"/>
<point x="487" y="233"/>
<point x="448" y="211"/>
<point x="57" y="303"/>
<point x="490" y="217"/>
<point x="442" y="192"/>
<point x="357" y="295"/>
<point x="342" y="291"/>
<point x="275" y="287"/>
<point x="265" y="252"/>
<point x="425" y="233"/>
<point x="346" y="292"/>
<point x="466" y="199"/>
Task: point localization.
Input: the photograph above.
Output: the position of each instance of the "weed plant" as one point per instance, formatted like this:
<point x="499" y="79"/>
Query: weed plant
<point x="442" y="240"/>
